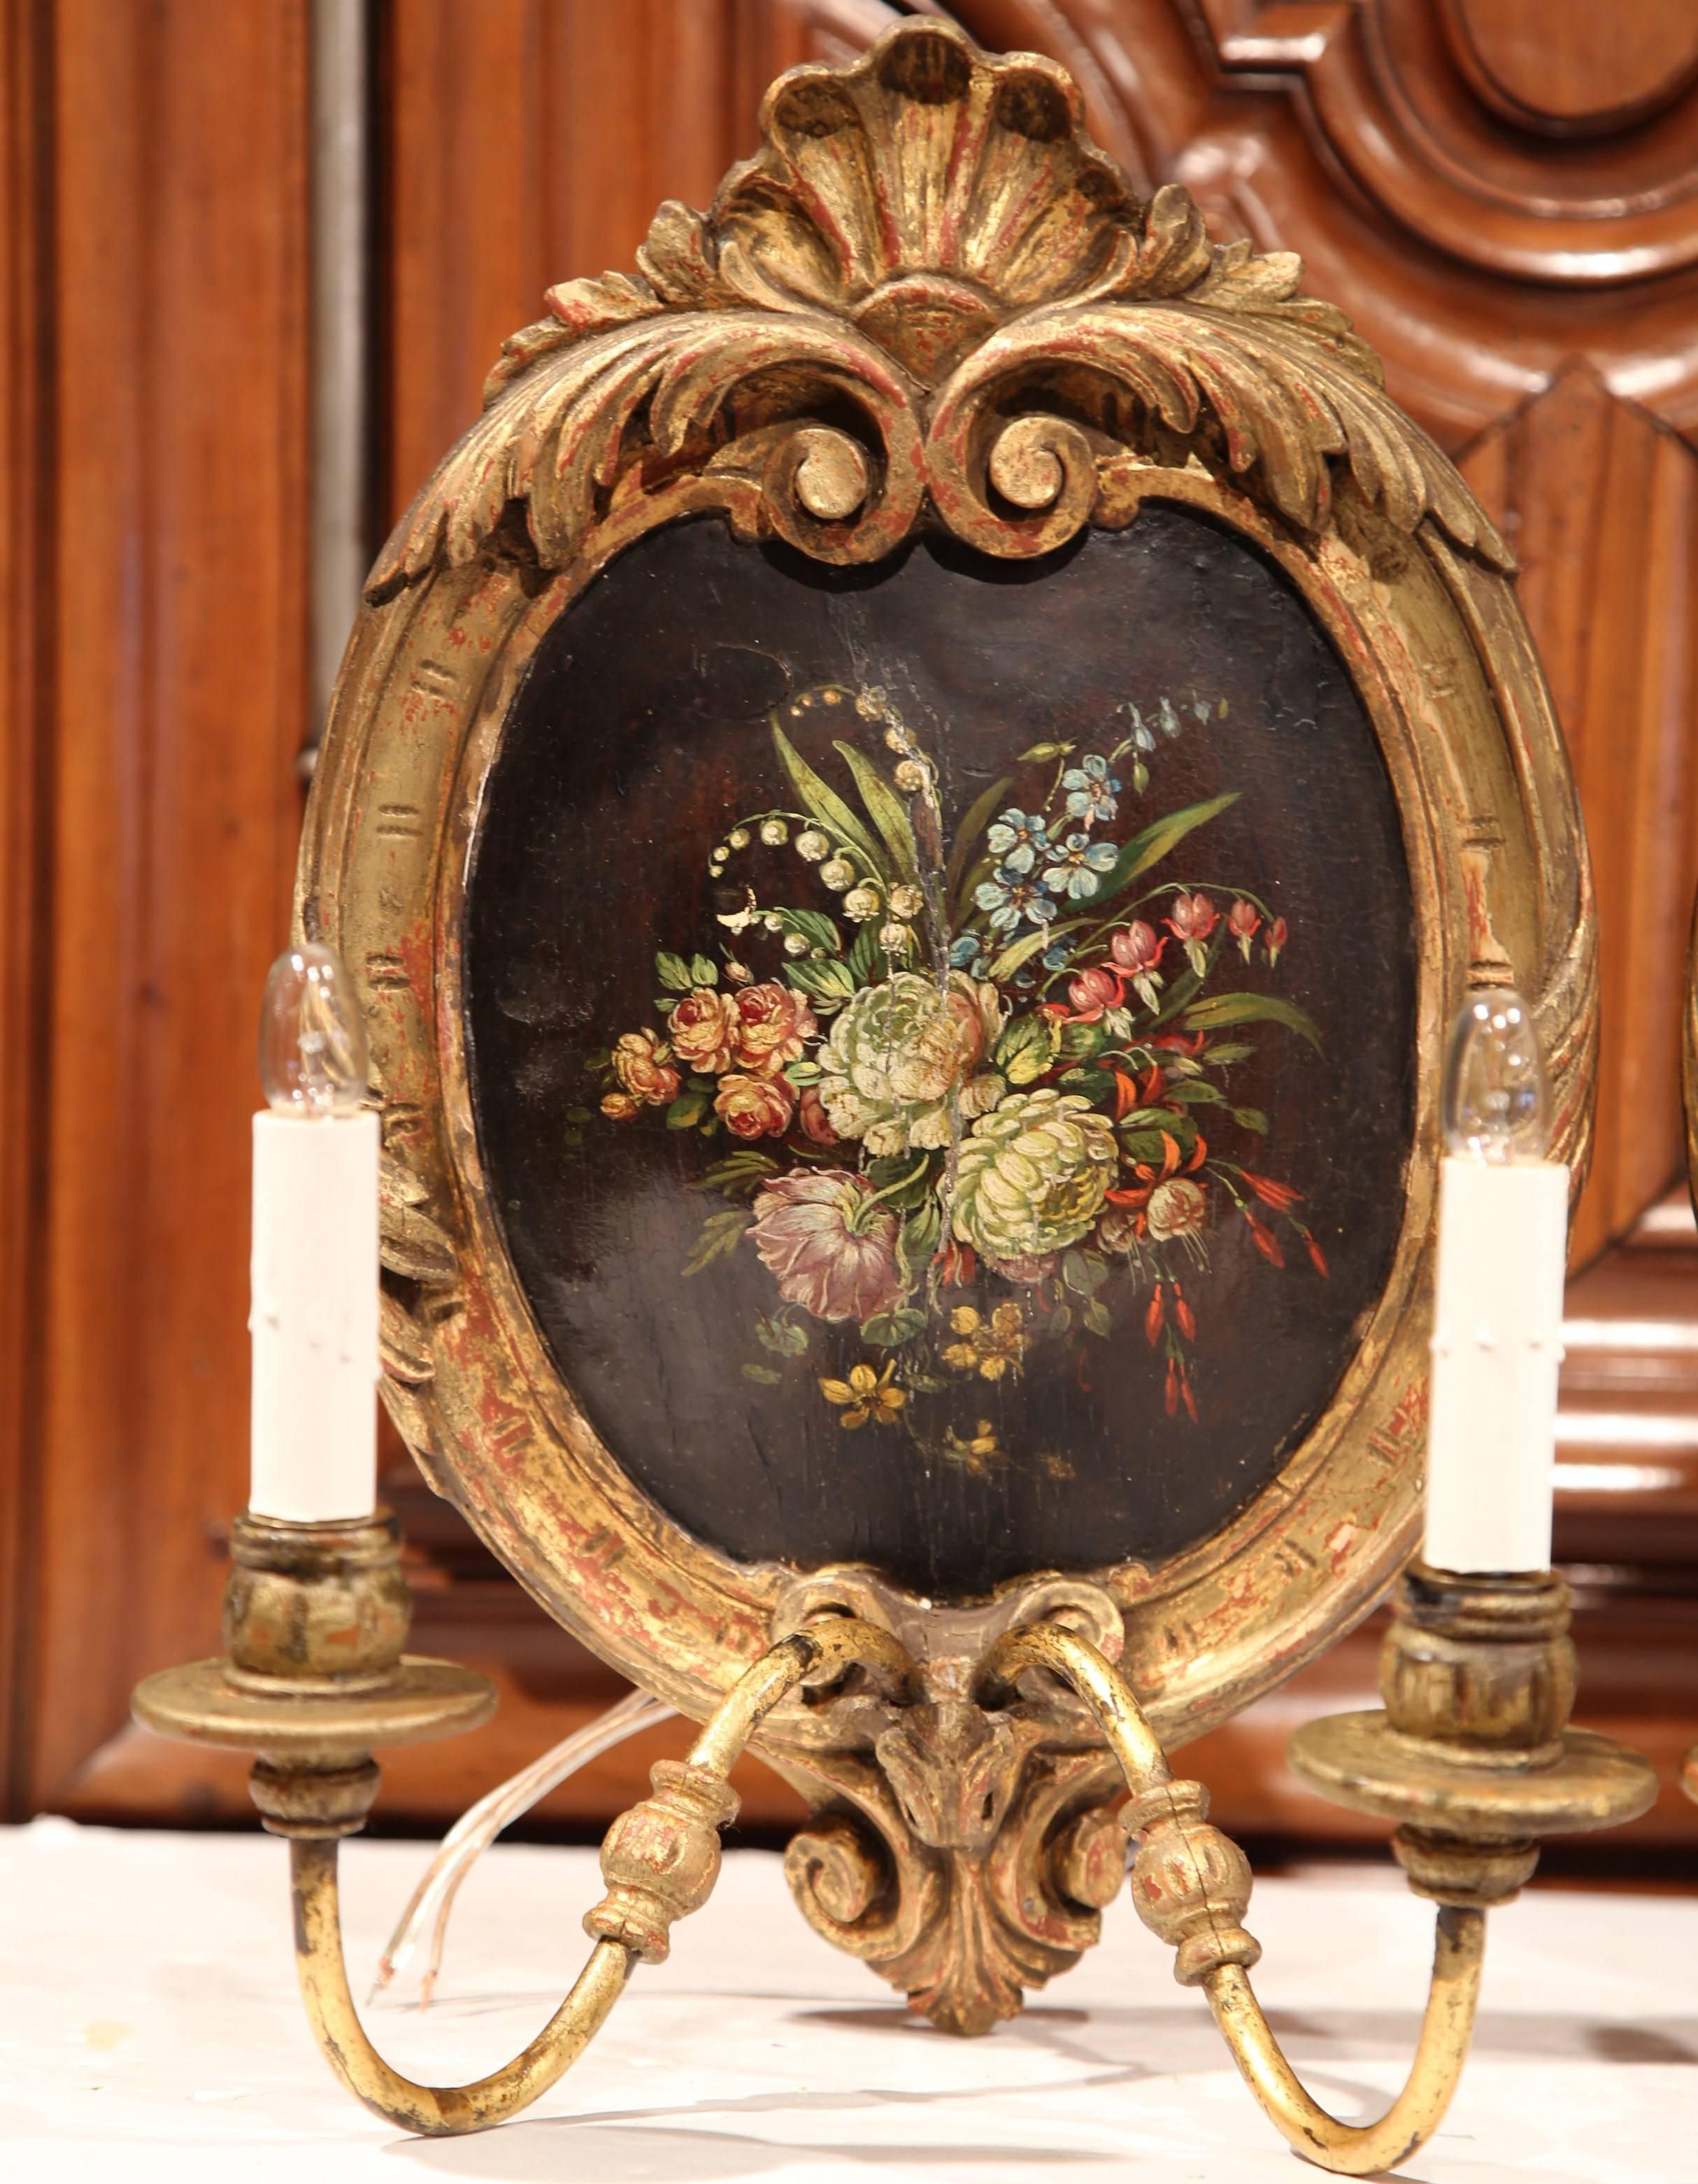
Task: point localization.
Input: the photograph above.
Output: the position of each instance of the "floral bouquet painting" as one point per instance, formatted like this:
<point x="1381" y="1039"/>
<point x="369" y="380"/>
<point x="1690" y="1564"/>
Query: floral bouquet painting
<point x="971" y="1095"/>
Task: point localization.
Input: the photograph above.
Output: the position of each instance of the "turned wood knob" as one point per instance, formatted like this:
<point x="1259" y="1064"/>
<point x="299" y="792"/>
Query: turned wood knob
<point x="1190" y="1883"/>
<point x="660" y="1860"/>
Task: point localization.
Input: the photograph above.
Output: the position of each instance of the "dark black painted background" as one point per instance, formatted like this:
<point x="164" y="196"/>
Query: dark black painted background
<point x="640" y="733"/>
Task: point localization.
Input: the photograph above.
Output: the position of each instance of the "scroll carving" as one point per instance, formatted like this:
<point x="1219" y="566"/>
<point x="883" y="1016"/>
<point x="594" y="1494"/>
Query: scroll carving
<point x="927" y="285"/>
<point x="965" y="1854"/>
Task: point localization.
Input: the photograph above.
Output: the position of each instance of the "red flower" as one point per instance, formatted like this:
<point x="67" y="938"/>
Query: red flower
<point x="755" y="1106"/>
<point x="956" y="1264"/>
<point x="1266" y="1241"/>
<point x="1244" y="924"/>
<point x="815" y="1123"/>
<point x="1279" y="1196"/>
<point x="1169" y="1396"/>
<point x="1185" y="1391"/>
<point x="1154" y="1317"/>
<point x="1137" y="947"/>
<point x="1194" y="917"/>
<point x="1183" y="1313"/>
<point x="772" y="1025"/>
<point x="1318" y="1256"/>
<point x="1277" y="934"/>
<point x="1092" y="992"/>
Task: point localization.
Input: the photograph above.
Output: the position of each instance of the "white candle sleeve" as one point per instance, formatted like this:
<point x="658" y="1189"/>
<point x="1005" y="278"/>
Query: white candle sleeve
<point x="1497" y="1346"/>
<point x="313" y="1320"/>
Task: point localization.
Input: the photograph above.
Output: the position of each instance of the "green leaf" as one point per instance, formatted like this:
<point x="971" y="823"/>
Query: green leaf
<point x="885" y="809"/>
<point x="579" y="1115"/>
<point x="1147" y="849"/>
<point x="1216" y="1011"/>
<point x="1196" y="1091"/>
<point x="915" y="1178"/>
<point x="826" y="980"/>
<point x="1061" y="1320"/>
<point x="918" y="1239"/>
<point x="801" y="1073"/>
<point x="980" y="813"/>
<point x="1148" y="1118"/>
<point x="705" y="970"/>
<point x="1251" y="1118"/>
<point x="1097" y="1317"/>
<point x="601" y="1059"/>
<point x="674" y="973"/>
<point x="744" y="1170"/>
<point x="1020" y="951"/>
<point x="1027" y="1048"/>
<point x="1095" y="1085"/>
<point x="1082" y="1042"/>
<point x="1041" y="754"/>
<point x="1229" y="1051"/>
<point x="764" y="1374"/>
<point x="826" y="807"/>
<point x="1084" y="1273"/>
<point x="784" y="1336"/>
<point x="686" y="1110"/>
<point x="865" y="958"/>
<point x="815" y="928"/>
<point x="720" y="1233"/>
<point x="886" y="1330"/>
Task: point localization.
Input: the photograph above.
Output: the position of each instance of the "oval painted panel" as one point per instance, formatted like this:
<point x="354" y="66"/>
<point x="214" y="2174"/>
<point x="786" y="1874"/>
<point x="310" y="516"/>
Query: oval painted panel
<point x="941" y="1038"/>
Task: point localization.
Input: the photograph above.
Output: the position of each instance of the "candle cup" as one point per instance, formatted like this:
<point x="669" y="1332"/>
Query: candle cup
<point x="1473" y="1756"/>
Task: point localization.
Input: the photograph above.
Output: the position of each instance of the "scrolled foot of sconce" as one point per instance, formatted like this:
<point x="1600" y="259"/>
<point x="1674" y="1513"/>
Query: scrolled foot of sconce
<point x="1474" y="1759"/>
<point x="314" y="1678"/>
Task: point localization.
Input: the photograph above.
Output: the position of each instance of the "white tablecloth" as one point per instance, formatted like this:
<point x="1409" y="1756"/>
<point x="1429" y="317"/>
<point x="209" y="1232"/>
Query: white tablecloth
<point x="150" y="2029"/>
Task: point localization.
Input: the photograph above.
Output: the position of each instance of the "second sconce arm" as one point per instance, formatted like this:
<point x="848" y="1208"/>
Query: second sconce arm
<point x="1191" y="1885"/>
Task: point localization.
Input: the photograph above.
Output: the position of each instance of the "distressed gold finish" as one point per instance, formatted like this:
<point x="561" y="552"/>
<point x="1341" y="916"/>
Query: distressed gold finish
<point x="965" y="1855"/>
<point x="1479" y="1679"/>
<point x="316" y="1616"/>
<point x="929" y="302"/>
<point x="927" y="290"/>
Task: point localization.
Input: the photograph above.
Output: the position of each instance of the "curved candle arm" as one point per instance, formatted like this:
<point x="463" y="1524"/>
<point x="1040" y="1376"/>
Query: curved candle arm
<point x="1191" y="1884"/>
<point x="437" y="2111"/>
<point x="660" y="1860"/>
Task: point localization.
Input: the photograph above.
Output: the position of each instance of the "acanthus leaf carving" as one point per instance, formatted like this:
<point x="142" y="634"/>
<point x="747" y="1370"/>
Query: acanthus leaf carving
<point x="926" y="252"/>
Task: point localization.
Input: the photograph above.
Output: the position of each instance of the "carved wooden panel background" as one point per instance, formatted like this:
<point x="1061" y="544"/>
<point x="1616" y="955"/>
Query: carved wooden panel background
<point x="1503" y="193"/>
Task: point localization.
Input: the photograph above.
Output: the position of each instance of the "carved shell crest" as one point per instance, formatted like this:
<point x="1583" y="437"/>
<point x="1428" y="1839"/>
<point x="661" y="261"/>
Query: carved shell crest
<point x="928" y="289"/>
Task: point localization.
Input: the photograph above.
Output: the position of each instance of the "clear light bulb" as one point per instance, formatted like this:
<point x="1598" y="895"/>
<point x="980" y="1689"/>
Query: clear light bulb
<point x="1497" y="1102"/>
<point x="312" y="1038"/>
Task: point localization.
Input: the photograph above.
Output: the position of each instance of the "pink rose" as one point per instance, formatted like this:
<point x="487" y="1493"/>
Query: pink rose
<point x="831" y="1256"/>
<point x="773" y="1023"/>
<point x="640" y="1063"/>
<point x="755" y="1106"/>
<point x="704" y="1029"/>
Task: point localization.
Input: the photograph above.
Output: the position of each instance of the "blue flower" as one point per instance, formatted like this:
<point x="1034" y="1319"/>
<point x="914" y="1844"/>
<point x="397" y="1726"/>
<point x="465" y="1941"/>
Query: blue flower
<point x="1012" y="895"/>
<point x="1019" y="838"/>
<point x="966" y="953"/>
<point x="1092" y="791"/>
<point x="1077" y="865"/>
<point x="1143" y="738"/>
<point x="1058" y="957"/>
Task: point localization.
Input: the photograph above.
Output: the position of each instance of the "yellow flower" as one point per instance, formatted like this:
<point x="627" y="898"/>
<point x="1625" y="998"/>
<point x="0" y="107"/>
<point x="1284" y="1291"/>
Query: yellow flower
<point x="866" y="1395"/>
<point x="990" y="1347"/>
<point x="978" y="1451"/>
